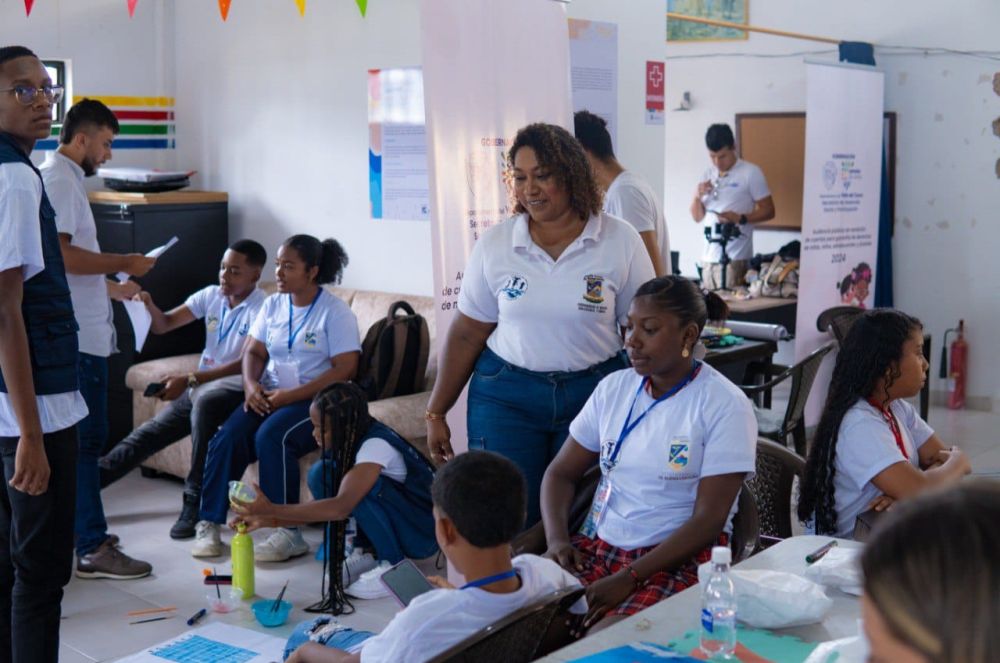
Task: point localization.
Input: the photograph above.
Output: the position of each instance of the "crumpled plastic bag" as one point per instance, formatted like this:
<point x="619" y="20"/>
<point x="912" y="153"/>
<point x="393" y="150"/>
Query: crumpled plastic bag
<point x="846" y="650"/>
<point x="774" y="599"/>
<point x="838" y="568"/>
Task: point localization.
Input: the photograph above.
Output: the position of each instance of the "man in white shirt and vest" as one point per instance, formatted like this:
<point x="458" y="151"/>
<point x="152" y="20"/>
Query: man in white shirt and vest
<point x="731" y="197"/>
<point x="40" y="401"/>
<point x="84" y="144"/>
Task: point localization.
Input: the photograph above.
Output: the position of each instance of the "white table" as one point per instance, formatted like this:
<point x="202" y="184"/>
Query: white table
<point x="672" y="618"/>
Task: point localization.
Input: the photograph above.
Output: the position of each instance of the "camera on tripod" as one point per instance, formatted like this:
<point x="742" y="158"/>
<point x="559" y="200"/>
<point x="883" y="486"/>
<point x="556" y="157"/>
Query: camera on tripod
<point x="723" y="231"/>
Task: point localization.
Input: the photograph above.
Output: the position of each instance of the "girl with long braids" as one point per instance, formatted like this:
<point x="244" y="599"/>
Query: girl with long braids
<point x="367" y="472"/>
<point x="871" y="446"/>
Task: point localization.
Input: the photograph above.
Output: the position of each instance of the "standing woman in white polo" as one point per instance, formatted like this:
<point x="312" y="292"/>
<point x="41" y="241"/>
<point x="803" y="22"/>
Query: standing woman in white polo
<point x="539" y="314"/>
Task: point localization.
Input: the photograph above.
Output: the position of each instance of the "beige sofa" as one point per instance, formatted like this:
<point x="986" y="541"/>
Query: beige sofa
<point x="404" y="414"/>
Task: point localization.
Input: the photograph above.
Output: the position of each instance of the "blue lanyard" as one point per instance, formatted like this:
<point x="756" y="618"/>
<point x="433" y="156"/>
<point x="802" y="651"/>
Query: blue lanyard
<point x="291" y="334"/>
<point x="222" y="320"/>
<point x="630" y="425"/>
<point x="489" y="580"/>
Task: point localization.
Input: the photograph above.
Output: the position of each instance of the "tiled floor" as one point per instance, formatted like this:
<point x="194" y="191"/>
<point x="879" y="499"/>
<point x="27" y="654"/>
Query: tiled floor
<point x="95" y="626"/>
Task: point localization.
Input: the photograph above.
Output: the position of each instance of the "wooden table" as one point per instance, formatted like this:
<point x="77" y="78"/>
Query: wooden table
<point x="672" y="618"/>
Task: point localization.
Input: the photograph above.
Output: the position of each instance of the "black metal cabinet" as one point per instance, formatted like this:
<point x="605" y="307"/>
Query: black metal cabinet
<point x="138" y="223"/>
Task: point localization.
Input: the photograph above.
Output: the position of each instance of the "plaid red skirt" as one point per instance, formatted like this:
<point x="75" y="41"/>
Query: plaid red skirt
<point x="604" y="559"/>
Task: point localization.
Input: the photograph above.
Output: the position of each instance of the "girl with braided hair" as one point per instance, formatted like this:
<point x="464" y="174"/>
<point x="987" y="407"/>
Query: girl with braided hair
<point x="367" y="472"/>
<point x="871" y="447"/>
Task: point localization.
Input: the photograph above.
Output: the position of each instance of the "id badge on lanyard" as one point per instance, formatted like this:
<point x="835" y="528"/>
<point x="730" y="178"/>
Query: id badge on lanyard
<point x="597" y="508"/>
<point x="287" y="373"/>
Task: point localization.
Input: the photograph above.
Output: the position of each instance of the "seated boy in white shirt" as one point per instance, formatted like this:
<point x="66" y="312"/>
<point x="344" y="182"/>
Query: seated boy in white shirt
<point x="479" y="506"/>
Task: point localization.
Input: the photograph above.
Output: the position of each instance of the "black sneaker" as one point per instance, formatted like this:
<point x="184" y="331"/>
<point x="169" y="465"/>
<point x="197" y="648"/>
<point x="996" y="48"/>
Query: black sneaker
<point x="184" y="527"/>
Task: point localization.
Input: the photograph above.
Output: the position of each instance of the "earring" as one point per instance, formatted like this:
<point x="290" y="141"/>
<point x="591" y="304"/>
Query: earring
<point x="685" y="353"/>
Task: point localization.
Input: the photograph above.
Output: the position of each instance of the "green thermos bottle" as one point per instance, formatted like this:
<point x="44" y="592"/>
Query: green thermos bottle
<point x="242" y="557"/>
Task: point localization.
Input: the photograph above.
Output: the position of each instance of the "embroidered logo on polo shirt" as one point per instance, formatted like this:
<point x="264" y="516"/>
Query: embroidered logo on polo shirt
<point x="514" y="287"/>
<point x="595" y="288"/>
<point x="211" y="323"/>
<point x="593" y="294"/>
<point x="310" y="339"/>
<point x="244" y="329"/>
<point x="680" y="453"/>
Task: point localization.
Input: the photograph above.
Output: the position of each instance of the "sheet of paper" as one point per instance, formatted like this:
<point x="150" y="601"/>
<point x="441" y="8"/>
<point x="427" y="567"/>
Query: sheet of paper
<point x="214" y="642"/>
<point x="155" y="253"/>
<point x="141" y="322"/>
<point x="137" y="314"/>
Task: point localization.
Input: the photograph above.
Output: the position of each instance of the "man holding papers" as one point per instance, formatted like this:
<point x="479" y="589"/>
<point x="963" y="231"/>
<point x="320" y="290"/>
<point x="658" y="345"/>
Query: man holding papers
<point x="85" y="143"/>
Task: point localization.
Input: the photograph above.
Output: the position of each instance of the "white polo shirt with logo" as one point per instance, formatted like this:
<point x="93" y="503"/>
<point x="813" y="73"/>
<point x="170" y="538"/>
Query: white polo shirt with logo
<point x="225" y="328"/>
<point x="738" y="190"/>
<point x="706" y="429"/>
<point x="555" y="315"/>
<point x="329" y="330"/>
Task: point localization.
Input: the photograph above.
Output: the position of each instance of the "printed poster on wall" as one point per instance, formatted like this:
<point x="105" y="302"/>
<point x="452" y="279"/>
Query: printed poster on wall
<point x="475" y="102"/>
<point x="397" y="152"/>
<point x="840" y="202"/>
<point x="593" y="49"/>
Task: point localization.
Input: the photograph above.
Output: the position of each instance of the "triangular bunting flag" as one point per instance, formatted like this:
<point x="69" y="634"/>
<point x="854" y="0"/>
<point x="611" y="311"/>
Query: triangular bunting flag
<point x="302" y="7"/>
<point x="224" y="8"/>
<point x="362" y="5"/>
<point x="131" y="7"/>
<point x="27" y="7"/>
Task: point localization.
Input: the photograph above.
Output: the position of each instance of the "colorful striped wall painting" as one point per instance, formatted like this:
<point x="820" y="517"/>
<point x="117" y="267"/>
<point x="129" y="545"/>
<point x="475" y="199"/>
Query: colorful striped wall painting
<point x="147" y="123"/>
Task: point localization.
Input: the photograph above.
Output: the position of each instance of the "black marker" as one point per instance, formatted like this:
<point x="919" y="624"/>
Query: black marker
<point x="196" y="616"/>
<point x="818" y="554"/>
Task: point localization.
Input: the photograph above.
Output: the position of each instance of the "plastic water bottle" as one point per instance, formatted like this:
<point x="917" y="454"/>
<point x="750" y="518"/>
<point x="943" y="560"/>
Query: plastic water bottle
<point x="241" y="550"/>
<point x="718" y="607"/>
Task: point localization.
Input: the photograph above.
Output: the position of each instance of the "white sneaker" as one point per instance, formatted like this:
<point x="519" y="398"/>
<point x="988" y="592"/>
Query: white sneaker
<point x="283" y="544"/>
<point x="207" y="540"/>
<point x="356" y="564"/>
<point x="368" y="586"/>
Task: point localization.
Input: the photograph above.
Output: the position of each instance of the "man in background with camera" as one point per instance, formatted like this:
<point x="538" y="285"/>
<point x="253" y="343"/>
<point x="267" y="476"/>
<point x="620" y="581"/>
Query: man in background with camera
<point x="731" y="196"/>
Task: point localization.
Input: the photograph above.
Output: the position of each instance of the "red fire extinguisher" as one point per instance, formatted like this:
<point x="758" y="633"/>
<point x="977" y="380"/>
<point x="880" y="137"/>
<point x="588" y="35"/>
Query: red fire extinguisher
<point x="959" y="366"/>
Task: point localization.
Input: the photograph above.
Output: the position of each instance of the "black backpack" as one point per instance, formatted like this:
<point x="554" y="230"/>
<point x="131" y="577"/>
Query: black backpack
<point x="394" y="354"/>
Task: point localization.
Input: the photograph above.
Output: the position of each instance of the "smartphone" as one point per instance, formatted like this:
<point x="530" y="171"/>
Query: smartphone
<point x="405" y="582"/>
<point x="218" y="580"/>
<point x="154" y="389"/>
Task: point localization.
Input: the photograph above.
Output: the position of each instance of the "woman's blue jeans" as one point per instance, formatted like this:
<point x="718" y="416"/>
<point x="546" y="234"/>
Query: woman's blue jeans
<point x="525" y="415"/>
<point x="391" y="522"/>
<point x="277" y="441"/>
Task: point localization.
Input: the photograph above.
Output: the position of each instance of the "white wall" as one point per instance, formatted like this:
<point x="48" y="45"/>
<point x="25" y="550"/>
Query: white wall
<point x="946" y="193"/>
<point x="110" y="54"/>
<point x="285" y="132"/>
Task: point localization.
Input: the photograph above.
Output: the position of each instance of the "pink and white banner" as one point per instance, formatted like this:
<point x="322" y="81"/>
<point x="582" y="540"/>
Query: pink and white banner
<point x="489" y="69"/>
<point x="840" y="203"/>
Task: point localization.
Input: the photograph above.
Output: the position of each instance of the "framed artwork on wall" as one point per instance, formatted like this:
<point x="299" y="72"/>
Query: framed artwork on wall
<point x="733" y="11"/>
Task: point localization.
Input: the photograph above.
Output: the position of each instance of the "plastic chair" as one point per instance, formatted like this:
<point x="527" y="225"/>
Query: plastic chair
<point x="772" y="487"/>
<point x="524" y="635"/>
<point x="779" y="426"/>
<point x="745" y="538"/>
<point x="838" y="321"/>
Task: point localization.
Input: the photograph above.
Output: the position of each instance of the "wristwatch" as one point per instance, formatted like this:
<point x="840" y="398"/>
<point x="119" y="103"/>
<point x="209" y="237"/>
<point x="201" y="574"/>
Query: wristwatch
<point x="192" y="380"/>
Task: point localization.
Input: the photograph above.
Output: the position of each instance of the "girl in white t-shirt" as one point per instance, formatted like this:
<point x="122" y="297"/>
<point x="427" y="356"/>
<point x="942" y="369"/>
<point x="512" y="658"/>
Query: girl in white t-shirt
<point x="674" y="439"/>
<point x="367" y="472"/>
<point x="304" y="339"/>
<point x="871" y="447"/>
